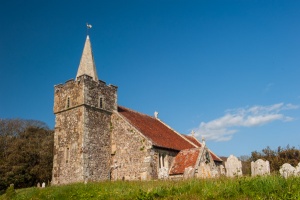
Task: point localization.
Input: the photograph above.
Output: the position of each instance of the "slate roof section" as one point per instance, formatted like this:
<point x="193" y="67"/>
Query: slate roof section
<point x="155" y="130"/>
<point x="184" y="159"/>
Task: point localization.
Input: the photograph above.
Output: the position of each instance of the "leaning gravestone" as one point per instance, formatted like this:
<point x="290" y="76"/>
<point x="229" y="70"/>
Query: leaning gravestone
<point x="260" y="167"/>
<point x="287" y="170"/>
<point x="233" y="167"/>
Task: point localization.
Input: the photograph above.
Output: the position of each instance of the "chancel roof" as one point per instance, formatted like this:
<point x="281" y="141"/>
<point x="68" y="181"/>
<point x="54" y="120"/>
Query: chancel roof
<point x="155" y="130"/>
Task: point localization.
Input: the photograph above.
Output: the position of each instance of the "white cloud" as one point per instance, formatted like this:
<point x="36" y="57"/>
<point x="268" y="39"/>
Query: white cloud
<point x="268" y="87"/>
<point x="223" y="128"/>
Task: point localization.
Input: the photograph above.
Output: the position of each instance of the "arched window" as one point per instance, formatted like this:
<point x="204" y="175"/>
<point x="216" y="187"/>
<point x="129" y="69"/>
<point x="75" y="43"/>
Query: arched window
<point x="162" y="160"/>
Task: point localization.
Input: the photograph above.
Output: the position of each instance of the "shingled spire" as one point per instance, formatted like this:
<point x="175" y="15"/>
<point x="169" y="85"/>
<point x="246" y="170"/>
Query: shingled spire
<point x="87" y="65"/>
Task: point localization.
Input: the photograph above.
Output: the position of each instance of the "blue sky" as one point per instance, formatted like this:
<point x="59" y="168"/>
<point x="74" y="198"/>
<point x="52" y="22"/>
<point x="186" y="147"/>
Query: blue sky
<point x="229" y="70"/>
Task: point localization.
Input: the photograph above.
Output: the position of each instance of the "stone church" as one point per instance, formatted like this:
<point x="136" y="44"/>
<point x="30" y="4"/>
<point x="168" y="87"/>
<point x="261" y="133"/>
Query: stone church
<point x="96" y="139"/>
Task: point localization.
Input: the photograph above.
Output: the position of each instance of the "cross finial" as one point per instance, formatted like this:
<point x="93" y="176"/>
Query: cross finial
<point x="193" y="133"/>
<point x="156" y="114"/>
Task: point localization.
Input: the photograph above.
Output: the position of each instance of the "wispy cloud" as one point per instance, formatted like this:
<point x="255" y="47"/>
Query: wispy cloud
<point x="223" y="128"/>
<point x="268" y="87"/>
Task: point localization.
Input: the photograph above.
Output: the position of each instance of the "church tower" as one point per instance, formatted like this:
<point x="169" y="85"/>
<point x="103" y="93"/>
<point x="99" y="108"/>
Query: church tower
<point x="82" y="138"/>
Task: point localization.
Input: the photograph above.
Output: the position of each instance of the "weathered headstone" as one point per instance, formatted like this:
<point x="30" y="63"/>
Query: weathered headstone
<point x="260" y="167"/>
<point x="287" y="170"/>
<point x="188" y="172"/>
<point x="43" y="185"/>
<point x="38" y="185"/>
<point x="233" y="167"/>
<point x="204" y="171"/>
<point x="222" y="170"/>
<point x="297" y="170"/>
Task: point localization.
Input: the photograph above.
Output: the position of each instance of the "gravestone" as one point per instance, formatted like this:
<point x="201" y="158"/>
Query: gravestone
<point x="204" y="171"/>
<point x="287" y="170"/>
<point x="38" y="185"/>
<point x="188" y="172"/>
<point x="222" y="170"/>
<point x="260" y="167"/>
<point x="43" y="185"/>
<point x="297" y="170"/>
<point x="233" y="167"/>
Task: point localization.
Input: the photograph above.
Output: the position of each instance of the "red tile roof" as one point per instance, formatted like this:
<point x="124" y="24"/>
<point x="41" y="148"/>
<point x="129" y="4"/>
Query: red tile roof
<point x="196" y="142"/>
<point x="160" y="134"/>
<point x="193" y="140"/>
<point x="184" y="159"/>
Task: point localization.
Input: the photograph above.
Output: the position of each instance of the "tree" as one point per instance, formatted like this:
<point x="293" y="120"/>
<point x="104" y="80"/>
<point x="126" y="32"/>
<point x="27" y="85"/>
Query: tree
<point x="26" y="153"/>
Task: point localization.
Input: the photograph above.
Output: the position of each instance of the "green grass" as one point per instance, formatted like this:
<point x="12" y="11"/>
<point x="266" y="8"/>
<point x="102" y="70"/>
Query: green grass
<point x="268" y="187"/>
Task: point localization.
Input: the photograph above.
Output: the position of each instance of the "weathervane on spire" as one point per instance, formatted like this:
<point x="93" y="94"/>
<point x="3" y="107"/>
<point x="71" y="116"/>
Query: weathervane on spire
<point x="88" y="26"/>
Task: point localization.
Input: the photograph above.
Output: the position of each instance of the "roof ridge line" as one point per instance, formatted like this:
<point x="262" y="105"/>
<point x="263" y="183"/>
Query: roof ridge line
<point x="195" y="139"/>
<point x="137" y="112"/>
<point x="176" y="132"/>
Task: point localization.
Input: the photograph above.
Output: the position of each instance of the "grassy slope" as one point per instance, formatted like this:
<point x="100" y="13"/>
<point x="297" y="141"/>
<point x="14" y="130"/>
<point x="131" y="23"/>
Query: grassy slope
<point x="270" y="187"/>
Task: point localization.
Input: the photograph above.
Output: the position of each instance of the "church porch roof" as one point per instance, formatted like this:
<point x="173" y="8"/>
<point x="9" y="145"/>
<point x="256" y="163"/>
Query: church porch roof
<point x="184" y="159"/>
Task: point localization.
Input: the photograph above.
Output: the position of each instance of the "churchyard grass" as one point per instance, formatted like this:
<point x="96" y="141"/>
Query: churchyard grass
<point x="265" y="187"/>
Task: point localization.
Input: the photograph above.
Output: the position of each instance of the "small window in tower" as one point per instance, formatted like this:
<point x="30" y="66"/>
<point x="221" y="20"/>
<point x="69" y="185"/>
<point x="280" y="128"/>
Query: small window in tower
<point x="68" y="102"/>
<point x="101" y="102"/>
<point x="67" y="155"/>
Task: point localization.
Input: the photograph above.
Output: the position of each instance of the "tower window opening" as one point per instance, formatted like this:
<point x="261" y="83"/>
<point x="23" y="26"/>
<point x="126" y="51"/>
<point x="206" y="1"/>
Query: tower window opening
<point x="101" y="102"/>
<point x="68" y="102"/>
<point x="67" y="155"/>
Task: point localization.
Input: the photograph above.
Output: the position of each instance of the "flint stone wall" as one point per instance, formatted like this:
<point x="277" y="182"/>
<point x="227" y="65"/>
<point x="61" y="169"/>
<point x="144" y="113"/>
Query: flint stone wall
<point x="133" y="156"/>
<point x="68" y="151"/>
<point x="131" y="152"/>
<point x="81" y="129"/>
